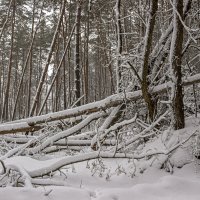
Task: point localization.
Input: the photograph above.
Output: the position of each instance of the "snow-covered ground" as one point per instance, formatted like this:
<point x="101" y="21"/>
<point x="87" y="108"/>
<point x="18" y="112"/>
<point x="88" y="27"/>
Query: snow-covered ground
<point x="114" y="180"/>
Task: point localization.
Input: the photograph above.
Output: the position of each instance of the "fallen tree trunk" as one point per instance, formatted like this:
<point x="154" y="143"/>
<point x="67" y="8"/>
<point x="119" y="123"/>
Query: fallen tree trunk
<point x="66" y="133"/>
<point x="63" y="142"/>
<point x="28" y="124"/>
<point x="18" y="127"/>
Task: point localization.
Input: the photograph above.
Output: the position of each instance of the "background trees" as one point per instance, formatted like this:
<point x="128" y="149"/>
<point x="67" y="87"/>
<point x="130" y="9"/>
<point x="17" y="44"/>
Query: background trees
<point x="129" y="45"/>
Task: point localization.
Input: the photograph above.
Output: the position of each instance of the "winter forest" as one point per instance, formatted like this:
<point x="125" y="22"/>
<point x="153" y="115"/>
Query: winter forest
<point x="99" y="99"/>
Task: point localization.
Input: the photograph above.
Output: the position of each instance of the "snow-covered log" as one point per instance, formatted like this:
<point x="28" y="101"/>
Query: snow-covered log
<point x="62" y="142"/>
<point x="114" y="100"/>
<point x="64" y="134"/>
<point x="18" y="127"/>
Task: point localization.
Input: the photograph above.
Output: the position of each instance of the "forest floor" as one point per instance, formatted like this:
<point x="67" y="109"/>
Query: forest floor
<point x="116" y="179"/>
<point x="82" y="184"/>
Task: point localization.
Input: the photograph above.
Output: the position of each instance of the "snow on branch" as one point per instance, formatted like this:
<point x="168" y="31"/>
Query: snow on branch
<point x="42" y="168"/>
<point x="111" y="101"/>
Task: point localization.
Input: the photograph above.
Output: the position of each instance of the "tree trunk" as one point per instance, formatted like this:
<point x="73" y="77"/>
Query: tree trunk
<point x="178" y="120"/>
<point x="119" y="44"/>
<point x="145" y="65"/>
<point x="77" y="54"/>
<point x="30" y="62"/>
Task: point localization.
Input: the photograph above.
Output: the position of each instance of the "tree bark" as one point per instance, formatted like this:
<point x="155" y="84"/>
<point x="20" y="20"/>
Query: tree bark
<point x="145" y="65"/>
<point x="119" y="44"/>
<point x="77" y="67"/>
<point x="178" y="119"/>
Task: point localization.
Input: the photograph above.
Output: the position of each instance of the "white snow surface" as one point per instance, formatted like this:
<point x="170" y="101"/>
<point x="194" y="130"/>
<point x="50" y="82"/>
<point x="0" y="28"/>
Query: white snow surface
<point x="153" y="184"/>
